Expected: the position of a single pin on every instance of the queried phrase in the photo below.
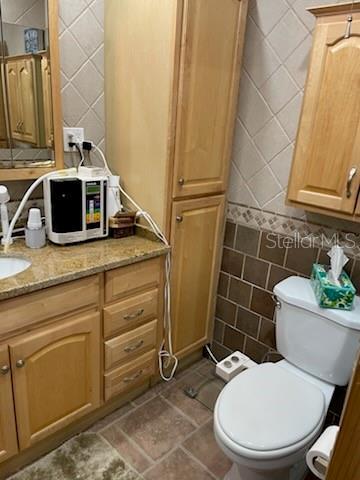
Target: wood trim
(345, 461)
(234, 93)
(324, 211)
(334, 9)
(8, 437)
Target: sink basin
(10, 266)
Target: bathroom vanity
(79, 334)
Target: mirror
(28, 120)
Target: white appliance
(76, 207)
(267, 417)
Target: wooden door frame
(345, 460)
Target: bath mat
(84, 457)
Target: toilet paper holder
(318, 457)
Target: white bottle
(35, 231)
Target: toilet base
(243, 473)
(297, 472)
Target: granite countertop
(55, 264)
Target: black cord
(72, 144)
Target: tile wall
(277, 48)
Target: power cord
(166, 356)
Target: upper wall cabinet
(208, 77)
(325, 174)
(30, 112)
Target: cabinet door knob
(20, 363)
(181, 181)
(5, 369)
(351, 177)
(179, 218)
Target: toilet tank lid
(298, 291)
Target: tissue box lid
(298, 291)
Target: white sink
(10, 266)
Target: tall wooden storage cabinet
(172, 76)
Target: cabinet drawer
(130, 344)
(127, 280)
(130, 312)
(52, 302)
(130, 375)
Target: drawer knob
(132, 348)
(132, 316)
(5, 369)
(179, 218)
(20, 363)
(134, 377)
(181, 181)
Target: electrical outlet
(75, 135)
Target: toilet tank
(322, 342)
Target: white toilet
(267, 417)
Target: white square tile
(98, 59)
(89, 83)
(252, 109)
(238, 191)
(279, 89)
(264, 186)
(74, 107)
(70, 10)
(99, 108)
(300, 8)
(271, 140)
(298, 62)
(72, 56)
(281, 165)
(267, 13)
(253, 38)
(88, 40)
(94, 128)
(287, 35)
(97, 7)
(289, 116)
(245, 156)
(278, 205)
(261, 63)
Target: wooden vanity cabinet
(326, 167)
(172, 91)
(56, 376)
(8, 436)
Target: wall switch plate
(233, 365)
(75, 135)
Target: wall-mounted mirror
(30, 112)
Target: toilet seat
(268, 412)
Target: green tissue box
(329, 295)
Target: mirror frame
(8, 174)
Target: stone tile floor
(164, 434)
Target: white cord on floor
(165, 356)
(212, 356)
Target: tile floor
(162, 435)
(166, 435)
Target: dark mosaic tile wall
(251, 266)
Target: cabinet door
(13, 99)
(197, 227)
(209, 76)
(27, 88)
(8, 438)
(47, 101)
(56, 375)
(358, 207)
(326, 167)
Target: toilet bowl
(267, 417)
